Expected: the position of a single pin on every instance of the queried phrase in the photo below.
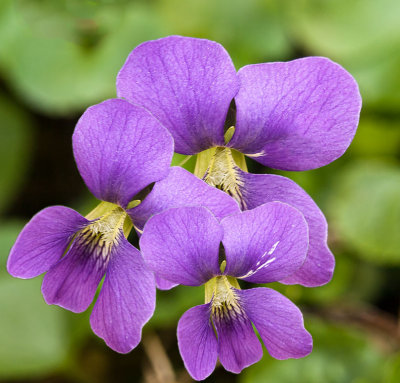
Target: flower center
(221, 291)
(110, 213)
(100, 236)
(222, 171)
(104, 232)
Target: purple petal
(72, 282)
(186, 83)
(120, 149)
(265, 244)
(43, 241)
(182, 245)
(181, 188)
(278, 321)
(164, 284)
(126, 301)
(197, 341)
(238, 345)
(296, 115)
(258, 189)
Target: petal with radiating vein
(120, 149)
(258, 189)
(126, 301)
(278, 321)
(164, 284)
(72, 282)
(197, 341)
(182, 245)
(265, 244)
(187, 83)
(181, 188)
(238, 345)
(296, 115)
(43, 241)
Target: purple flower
(266, 244)
(295, 115)
(119, 149)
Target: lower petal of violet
(126, 301)
(43, 241)
(278, 321)
(258, 189)
(72, 282)
(197, 341)
(238, 345)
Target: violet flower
(295, 115)
(266, 244)
(119, 150)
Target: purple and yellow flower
(119, 149)
(295, 115)
(189, 246)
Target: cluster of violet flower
(183, 94)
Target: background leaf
(15, 137)
(33, 335)
(363, 36)
(339, 355)
(365, 210)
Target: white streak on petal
(260, 265)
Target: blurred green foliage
(33, 336)
(59, 57)
(362, 35)
(339, 355)
(366, 210)
(15, 136)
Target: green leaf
(186, 162)
(251, 31)
(32, 334)
(8, 234)
(65, 71)
(348, 283)
(365, 210)
(376, 137)
(393, 370)
(63, 56)
(363, 36)
(15, 135)
(343, 27)
(173, 303)
(339, 355)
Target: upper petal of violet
(296, 115)
(43, 241)
(265, 244)
(187, 83)
(120, 149)
(182, 245)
